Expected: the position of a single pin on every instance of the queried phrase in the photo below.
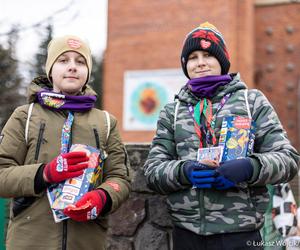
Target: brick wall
(149, 34)
(277, 61)
(277, 64)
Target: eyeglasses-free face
(69, 73)
(200, 63)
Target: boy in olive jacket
(35, 144)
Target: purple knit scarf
(52, 100)
(206, 86)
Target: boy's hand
(65, 166)
(88, 207)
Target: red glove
(65, 166)
(88, 207)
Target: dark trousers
(187, 240)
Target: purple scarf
(206, 86)
(52, 100)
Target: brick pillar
(145, 35)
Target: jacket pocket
(20, 204)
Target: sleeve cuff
(256, 169)
(181, 175)
(108, 203)
(39, 183)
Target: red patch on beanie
(205, 44)
(74, 44)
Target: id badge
(210, 153)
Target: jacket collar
(41, 82)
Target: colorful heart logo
(205, 44)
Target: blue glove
(238, 170)
(223, 183)
(199, 175)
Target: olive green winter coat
(33, 227)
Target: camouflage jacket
(211, 211)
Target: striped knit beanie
(206, 37)
(59, 45)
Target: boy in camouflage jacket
(216, 207)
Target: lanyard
(65, 141)
(207, 127)
(198, 127)
(66, 133)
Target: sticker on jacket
(114, 185)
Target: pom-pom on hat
(206, 37)
(59, 45)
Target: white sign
(146, 92)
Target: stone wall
(141, 223)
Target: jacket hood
(185, 95)
(42, 82)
